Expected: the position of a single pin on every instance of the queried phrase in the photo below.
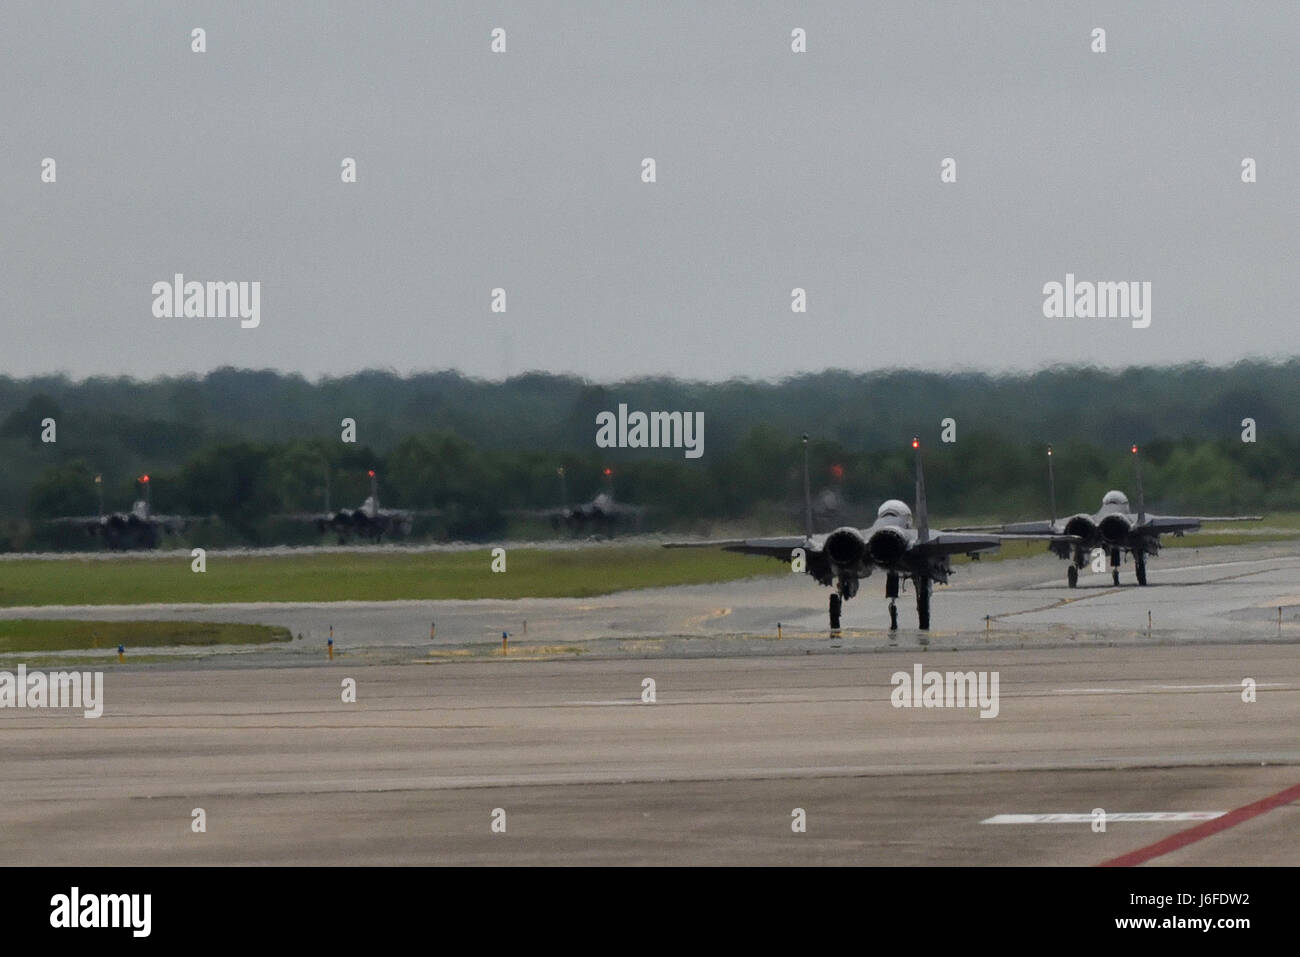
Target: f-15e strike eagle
(139, 528)
(368, 520)
(1115, 528)
(601, 514)
(899, 542)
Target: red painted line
(1202, 831)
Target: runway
(747, 733)
(710, 773)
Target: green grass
(391, 576)
(379, 576)
(30, 634)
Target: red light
(609, 472)
(837, 471)
(144, 478)
(916, 443)
(1134, 450)
(371, 473)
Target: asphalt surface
(744, 729)
(709, 773)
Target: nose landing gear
(891, 592)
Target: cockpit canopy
(1115, 498)
(896, 510)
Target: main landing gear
(1140, 566)
(923, 603)
(893, 584)
(891, 592)
(1115, 558)
(1072, 576)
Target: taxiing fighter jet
(1115, 528)
(899, 542)
(602, 513)
(139, 528)
(367, 521)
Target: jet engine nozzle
(845, 546)
(1082, 526)
(887, 547)
(1115, 529)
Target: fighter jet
(899, 542)
(602, 513)
(367, 521)
(1115, 528)
(139, 528)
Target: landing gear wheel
(1114, 577)
(1072, 576)
(923, 603)
(835, 611)
(1115, 559)
(1140, 566)
(893, 616)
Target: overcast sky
(523, 171)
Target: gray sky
(522, 171)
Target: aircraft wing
(1190, 523)
(1043, 528)
(172, 522)
(771, 547)
(955, 543)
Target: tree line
(244, 449)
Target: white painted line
(1110, 818)
(599, 704)
(1231, 686)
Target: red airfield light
(371, 473)
(1134, 449)
(608, 472)
(837, 471)
(916, 443)
(144, 479)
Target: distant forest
(242, 446)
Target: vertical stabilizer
(807, 494)
(1051, 484)
(1137, 467)
(922, 517)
